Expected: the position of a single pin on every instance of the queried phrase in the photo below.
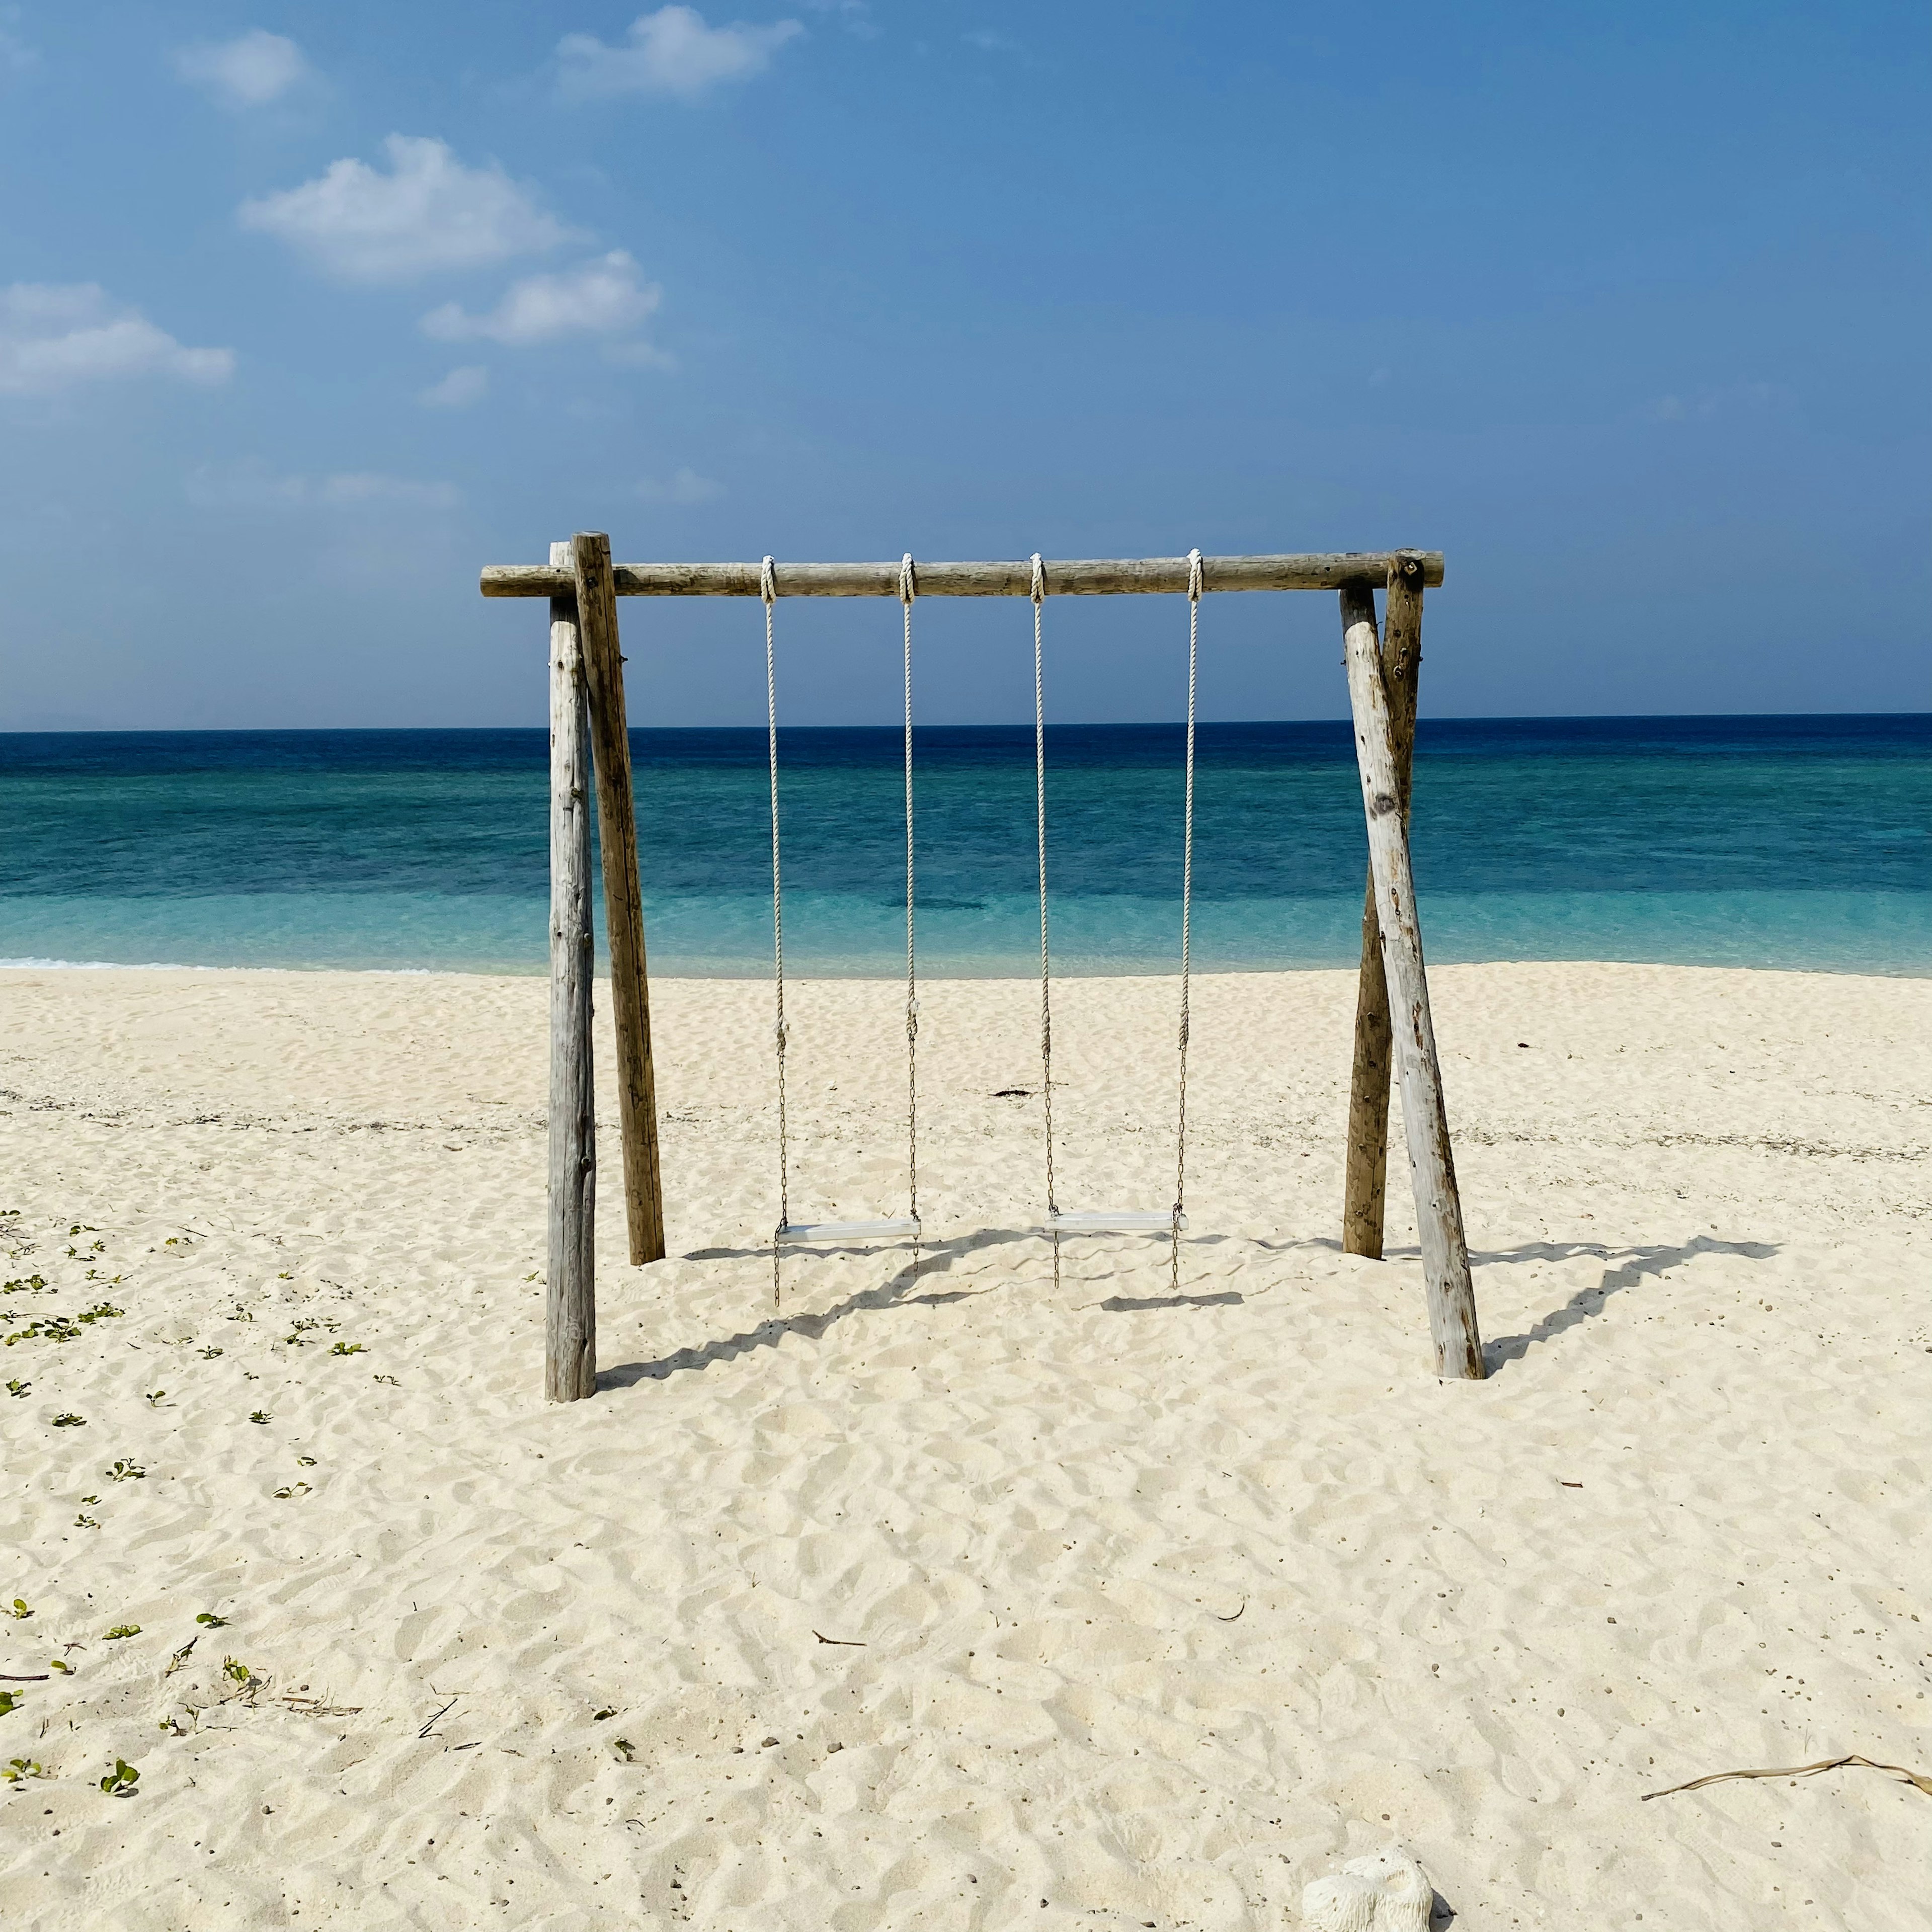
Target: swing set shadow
(1627, 1266)
(1394, 1037)
(935, 1259)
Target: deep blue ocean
(1798, 842)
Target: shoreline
(887, 977)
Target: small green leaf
(119, 1783)
(208, 1617)
(258, 1415)
(19, 1609)
(61, 1664)
(124, 1630)
(68, 1420)
(10, 1701)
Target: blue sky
(307, 311)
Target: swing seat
(804, 1234)
(1112, 1221)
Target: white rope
(1045, 971)
(768, 590)
(1187, 911)
(908, 590)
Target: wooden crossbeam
(1078, 578)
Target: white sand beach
(954, 1600)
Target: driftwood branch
(1914, 1777)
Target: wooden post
(1439, 1210)
(570, 1298)
(623, 905)
(1364, 1190)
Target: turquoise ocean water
(1795, 842)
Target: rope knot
(908, 581)
(1039, 590)
(1194, 576)
(768, 582)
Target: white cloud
(458, 389)
(366, 487)
(988, 42)
(16, 56)
(54, 336)
(250, 71)
(670, 52)
(854, 15)
(251, 484)
(605, 297)
(428, 212)
(684, 486)
(1708, 403)
(639, 356)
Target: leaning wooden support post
(1364, 1187)
(1439, 1210)
(623, 904)
(570, 1313)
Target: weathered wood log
(1439, 1209)
(570, 1295)
(623, 903)
(1364, 1187)
(1077, 578)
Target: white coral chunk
(1387, 1892)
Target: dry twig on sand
(1918, 1777)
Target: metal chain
(768, 590)
(1045, 973)
(908, 590)
(1186, 911)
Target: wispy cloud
(458, 389)
(16, 57)
(854, 15)
(681, 487)
(56, 336)
(988, 42)
(1705, 403)
(670, 52)
(606, 297)
(251, 484)
(251, 71)
(428, 212)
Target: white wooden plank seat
(805, 1233)
(1113, 1221)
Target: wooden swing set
(589, 742)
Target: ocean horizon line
(758, 728)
